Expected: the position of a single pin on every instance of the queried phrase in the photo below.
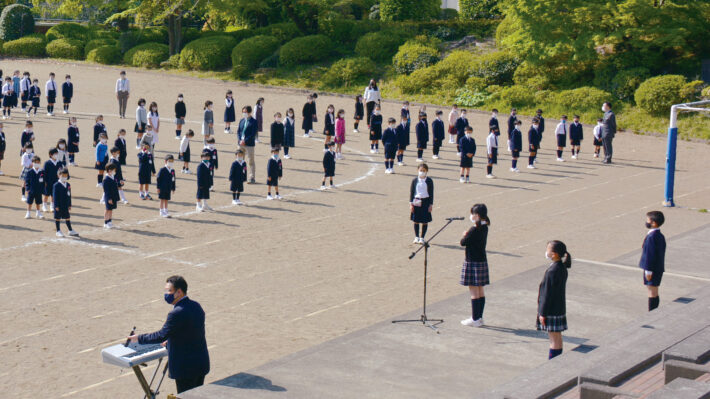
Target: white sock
(122, 194)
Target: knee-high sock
(515, 163)
(653, 303)
(474, 309)
(559, 153)
(420, 153)
(489, 169)
(416, 229)
(554, 353)
(424, 229)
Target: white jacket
(371, 95)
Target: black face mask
(648, 225)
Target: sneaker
(416, 240)
(451, 141)
(60, 234)
(212, 188)
(560, 159)
(574, 157)
(177, 137)
(278, 197)
(235, 202)
(458, 154)
(434, 157)
(28, 216)
(1, 173)
(124, 202)
(377, 150)
(165, 214)
(107, 226)
(531, 167)
(73, 233)
(323, 187)
(49, 114)
(198, 208)
(64, 112)
(143, 197)
(28, 115)
(207, 208)
(306, 135)
(468, 322)
(23, 199)
(188, 172)
(419, 160)
(461, 180)
(269, 197)
(239, 202)
(387, 171)
(596, 155)
(73, 164)
(287, 156)
(372, 150)
(39, 215)
(468, 180)
(102, 201)
(514, 170)
(252, 181)
(356, 131)
(489, 176)
(138, 147)
(44, 207)
(147, 196)
(422, 241)
(478, 323)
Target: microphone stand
(423, 318)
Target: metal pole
(670, 158)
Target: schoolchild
(534, 138)
(120, 180)
(492, 150)
(277, 131)
(184, 152)
(653, 253)
(120, 143)
(72, 140)
(561, 135)
(274, 172)
(576, 135)
(99, 128)
(207, 121)
(51, 174)
(328, 166)
(468, 150)
(359, 113)
(34, 184)
(474, 273)
(375, 130)
(214, 159)
(230, 115)
(180, 113)
(516, 145)
(339, 134)
(111, 196)
(50, 89)
(402, 131)
(598, 137)
(437, 128)
(259, 116)
(141, 122)
(34, 94)
(453, 117)
(67, 93)
(165, 184)
(146, 170)
(289, 132)
(422, 132)
(61, 203)
(329, 129)
(461, 125)
(237, 177)
(390, 142)
(204, 179)
(551, 302)
(101, 158)
(421, 202)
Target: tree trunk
(174, 32)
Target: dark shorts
(493, 156)
(35, 102)
(402, 147)
(390, 151)
(655, 279)
(139, 128)
(164, 195)
(34, 198)
(552, 323)
(598, 142)
(561, 140)
(2, 155)
(516, 154)
(185, 157)
(51, 96)
(466, 162)
(474, 274)
(533, 148)
(144, 178)
(61, 214)
(575, 142)
(67, 100)
(25, 96)
(101, 165)
(7, 101)
(236, 187)
(272, 183)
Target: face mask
(330, 111)
(603, 110)
(112, 174)
(63, 179)
(392, 126)
(28, 151)
(180, 99)
(211, 146)
(277, 119)
(547, 256)
(244, 114)
(468, 135)
(535, 126)
(422, 175)
(463, 115)
(68, 80)
(205, 161)
(103, 141)
(36, 166)
(290, 115)
(563, 121)
(648, 225)
(170, 165)
(495, 115)
(376, 112)
(169, 298)
(240, 159)
(61, 146)
(275, 156)
(209, 108)
(472, 219)
(54, 157)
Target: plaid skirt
(474, 274)
(552, 323)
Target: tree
(409, 10)
(471, 9)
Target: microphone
(459, 218)
(128, 340)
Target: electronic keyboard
(132, 355)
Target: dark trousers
(122, 102)
(370, 107)
(184, 384)
(608, 148)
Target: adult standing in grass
(372, 98)
(608, 131)
(123, 88)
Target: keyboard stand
(149, 393)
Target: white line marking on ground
(636, 268)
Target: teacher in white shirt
(123, 88)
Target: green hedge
(408, 10)
(412, 56)
(347, 71)
(283, 31)
(250, 52)
(208, 53)
(92, 44)
(71, 49)
(67, 30)
(625, 83)
(496, 68)
(657, 94)
(380, 46)
(132, 38)
(692, 91)
(305, 50)
(16, 20)
(107, 55)
(346, 30)
(28, 46)
(148, 55)
(706, 93)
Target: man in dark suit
(653, 255)
(184, 335)
(247, 137)
(608, 131)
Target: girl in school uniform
(389, 141)
(551, 306)
(229, 113)
(214, 159)
(146, 170)
(328, 166)
(402, 131)
(34, 183)
(52, 166)
(203, 182)
(27, 136)
(421, 202)
(492, 150)
(453, 117)
(372, 98)
(422, 131)
(120, 180)
(111, 195)
(274, 171)
(34, 94)
(166, 185)
(180, 112)
(259, 116)
(101, 158)
(516, 145)
(26, 163)
(289, 132)
(50, 88)
(72, 140)
(277, 131)
(62, 154)
(7, 98)
(120, 143)
(141, 122)
(474, 273)
(25, 84)
(154, 121)
(237, 177)
(561, 134)
(184, 152)
(207, 121)
(598, 136)
(439, 134)
(339, 134)
(359, 113)
(329, 129)
(375, 124)
(3, 146)
(61, 203)
(468, 150)
(67, 93)
(534, 138)
(99, 128)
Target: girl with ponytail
(474, 273)
(551, 308)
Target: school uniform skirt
(207, 130)
(493, 156)
(24, 172)
(474, 274)
(139, 128)
(164, 195)
(179, 121)
(552, 323)
(421, 213)
(67, 100)
(390, 151)
(185, 157)
(2, 155)
(7, 101)
(51, 96)
(375, 135)
(229, 115)
(307, 123)
(466, 162)
(203, 193)
(330, 172)
(421, 146)
(655, 280)
(72, 148)
(110, 207)
(597, 142)
(144, 178)
(61, 214)
(101, 165)
(236, 186)
(289, 139)
(561, 140)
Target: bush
(470, 98)
(625, 83)
(706, 93)
(173, 62)
(657, 94)
(107, 55)
(28, 46)
(71, 49)
(447, 14)
(496, 68)
(412, 56)
(250, 52)
(99, 33)
(421, 81)
(16, 20)
(475, 9)
(457, 65)
(67, 30)
(92, 44)
(692, 91)
(148, 55)
(347, 71)
(208, 53)
(409, 10)
(283, 31)
(582, 99)
(379, 46)
(513, 97)
(306, 49)
(132, 38)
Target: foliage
(625, 83)
(306, 49)
(283, 31)
(495, 68)
(250, 52)
(173, 62)
(657, 94)
(208, 53)
(706, 93)
(469, 98)
(412, 56)
(473, 9)
(446, 14)
(147, 55)
(28, 46)
(134, 37)
(345, 30)
(72, 49)
(92, 44)
(67, 30)
(692, 91)
(16, 21)
(456, 65)
(380, 46)
(409, 10)
(106, 54)
(347, 71)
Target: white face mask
(103, 141)
(112, 174)
(330, 110)
(180, 99)
(36, 166)
(61, 146)
(277, 119)
(392, 126)
(376, 112)
(290, 115)
(209, 108)
(472, 219)
(244, 114)
(535, 126)
(547, 256)
(240, 159)
(170, 165)
(54, 157)
(63, 179)
(603, 108)
(211, 146)
(468, 135)
(422, 174)
(28, 151)
(463, 114)
(68, 80)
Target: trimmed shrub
(250, 52)
(16, 20)
(306, 49)
(283, 31)
(190, 34)
(513, 97)
(28, 46)
(657, 94)
(132, 38)
(99, 43)
(424, 81)
(271, 61)
(71, 49)
(456, 65)
(412, 56)
(706, 93)
(207, 53)
(581, 99)
(625, 83)
(148, 55)
(67, 30)
(691, 91)
(496, 68)
(475, 9)
(379, 46)
(347, 71)
(97, 33)
(447, 14)
(409, 10)
(107, 55)
(171, 63)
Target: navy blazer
(184, 330)
(534, 137)
(274, 170)
(422, 132)
(277, 134)
(67, 90)
(3, 143)
(329, 129)
(238, 173)
(429, 188)
(402, 134)
(541, 127)
(34, 181)
(122, 152)
(111, 190)
(204, 177)
(438, 130)
(61, 197)
(653, 252)
(390, 137)
(467, 146)
(329, 163)
(98, 129)
(146, 166)
(494, 122)
(551, 299)
(516, 140)
(511, 124)
(166, 179)
(461, 125)
(576, 131)
(50, 175)
(249, 136)
(119, 172)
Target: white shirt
(453, 116)
(421, 190)
(561, 129)
(598, 131)
(7, 88)
(491, 142)
(371, 95)
(153, 120)
(123, 85)
(229, 102)
(27, 160)
(25, 84)
(62, 156)
(50, 85)
(652, 230)
(184, 143)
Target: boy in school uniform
(35, 94)
(541, 124)
(67, 93)
(116, 160)
(375, 130)
(494, 120)
(461, 125)
(422, 131)
(50, 88)
(3, 146)
(274, 172)
(34, 185)
(214, 160)
(277, 130)
(52, 167)
(111, 195)
(99, 128)
(72, 140)
(576, 135)
(146, 169)
(25, 84)
(166, 185)
(437, 127)
(467, 146)
(533, 142)
(453, 116)
(653, 253)
(237, 177)
(7, 98)
(27, 136)
(120, 143)
(180, 112)
(598, 136)
(561, 135)
(16, 79)
(184, 152)
(203, 182)
(492, 150)
(329, 165)
(26, 162)
(511, 126)
(390, 142)
(61, 203)
(402, 134)
(516, 144)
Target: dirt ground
(275, 277)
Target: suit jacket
(166, 179)
(274, 169)
(277, 134)
(50, 175)
(609, 124)
(494, 122)
(184, 330)
(511, 124)
(402, 133)
(422, 133)
(390, 137)
(123, 153)
(467, 146)
(111, 190)
(653, 252)
(146, 165)
(534, 137)
(238, 173)
(461, 124)
(329, 162)
(438, 130)
(516, 140)
(204, 176)
(67, 90)
(61, 196)
(541, 125)
(248, 135)
(576, 131)
(34, 181)
(551, 295)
